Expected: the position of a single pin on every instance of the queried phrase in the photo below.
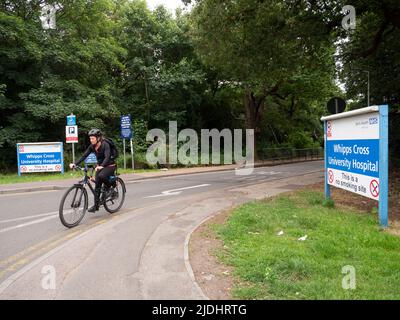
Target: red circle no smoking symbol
(374, 188)
(330, 176)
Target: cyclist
(105, 164)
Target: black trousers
(102, 177)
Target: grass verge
(38, 177)
(272, 266)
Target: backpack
(113, 147)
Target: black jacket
(103, 154)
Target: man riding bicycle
(105, 163)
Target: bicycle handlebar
(81, 169)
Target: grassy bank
(37, 177)
(272, 266)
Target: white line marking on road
(28, 223)
(268, 172)
(175, 192)
(29, 217)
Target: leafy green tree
(274, 51)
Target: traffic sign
(91, 159)
(71, 133)
(71, 120)
(336, 105)
(126, 130)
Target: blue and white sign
(356, 152)
(91, 159)
(71, 120)
(40, 157)
(126, 130)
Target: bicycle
(76, 207)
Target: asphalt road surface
(30, 226)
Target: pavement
(140, 252)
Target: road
(30, 230)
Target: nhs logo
(373, 120)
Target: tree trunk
(253, 108)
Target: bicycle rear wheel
(117, 198)
(73, 206)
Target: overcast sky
(170, 4)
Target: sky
(170, 4)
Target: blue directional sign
(71, 120)
(91, 159)
(126, 130)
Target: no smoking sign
(331, 177)
(374, 188)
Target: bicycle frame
(85, 181)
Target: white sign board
(353, 154)
(71, 133)
(40, 157)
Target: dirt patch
(213, 277)
(343, 198)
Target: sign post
(126, 133)
(133, 160)
(356, 154)
(71, 133)
(123, 144)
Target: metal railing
(290, 154)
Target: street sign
(126, 130)
(40, 157)
(336, 105)
(71, 120)
(91, 159)
(71, 133)
(356, 152)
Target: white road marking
(29, 217)
(175, 192)
(268, 172)
(28, 224)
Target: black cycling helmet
(95, 132)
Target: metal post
(133, 160)
(383, 165)
(327, 186)
(73, 152)
(124, 154)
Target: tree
(48, 74)
(271, 49)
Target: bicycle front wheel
(117, 197)
(73, 206)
